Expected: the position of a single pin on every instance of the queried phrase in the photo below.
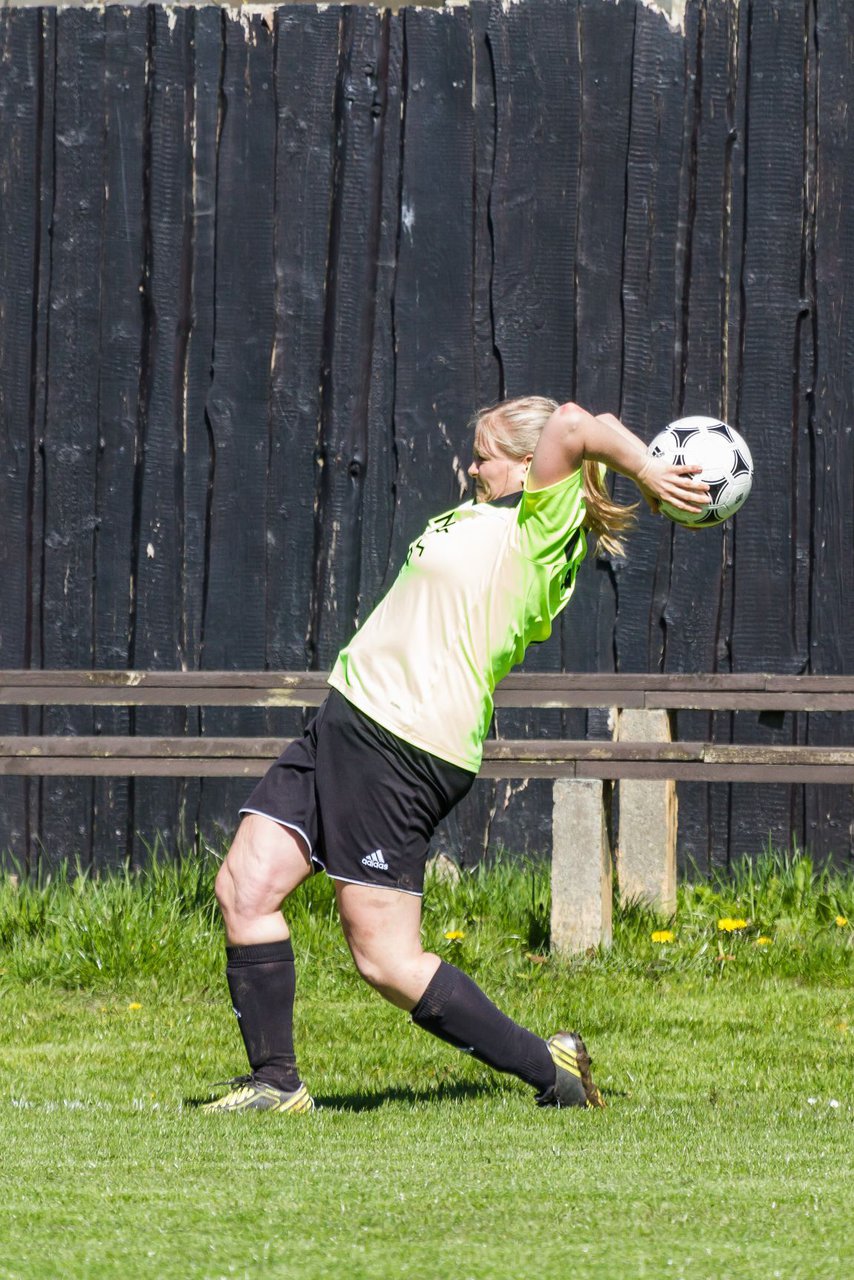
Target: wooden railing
(641, 756)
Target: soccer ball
(725, 458)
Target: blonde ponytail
(606, 519)
(513, 428)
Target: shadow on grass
(441, 1094)
(373, 1101)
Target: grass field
(725, 1151)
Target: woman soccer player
(398, 743)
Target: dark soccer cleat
(249, 1094)
(573, 1086)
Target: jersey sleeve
(549, 518)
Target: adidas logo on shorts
(375, 860)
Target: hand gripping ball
(725, 458)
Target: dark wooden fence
(256, 274)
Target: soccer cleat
(249, 1094)
(573, 1086)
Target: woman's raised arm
(572, 436)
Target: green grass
(721, 1154)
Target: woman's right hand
(660, 481)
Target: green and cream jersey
(480, 584)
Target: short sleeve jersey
(480, 584)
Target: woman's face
(496, 474)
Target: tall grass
(161, 924)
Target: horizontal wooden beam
(236, 757)
(653, 691)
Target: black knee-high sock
(262, 982)
(455, 1009)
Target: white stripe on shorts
(369, 884)
(292, 826)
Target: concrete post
(581, 866)
(646, 842)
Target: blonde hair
(513, 427)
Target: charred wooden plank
(829, 819)
(651, 305)
(350, 301)
(121, 341)
(238, 400)
(765, 607)
(155, 619)
(22, 85)
(71, 432)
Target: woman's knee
(264, 864)
(399, 978)
(373, 968)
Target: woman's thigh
(383, 932)
(265, 863)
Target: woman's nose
(473, 469)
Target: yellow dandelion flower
(763, 941)
(729, 925)
(134, 1005)
(841, 922)
(454, 935)
(662, 935)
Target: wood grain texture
(828, 817)
(235, 757)
(70, 448)
(121, 341)
(21, 103)
(157, 546)
(534, 212)
(198, 469)
(260, 270)
(765, 613)
(640, 635)
(237, 407)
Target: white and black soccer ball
(725, 458)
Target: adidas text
(376, 860)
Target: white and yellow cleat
(573, 1086)
(249, 1094)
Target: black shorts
(365, 802)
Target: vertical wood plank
(434, 368)
(199, 453)
(348, 330)
(650, 317)
(378, 568)
(534, 210)
(764, 579)
(697, 612)
(606, 35)
(120, 270)
(307, 53)
(34, 718)
(71, 409)
(21, 80)
(434, 384)
(487, 364)
(238, 405)
(157, 551)
(306, 66)
(830, 812)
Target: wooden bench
(641, 756)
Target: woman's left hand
(660, 481)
